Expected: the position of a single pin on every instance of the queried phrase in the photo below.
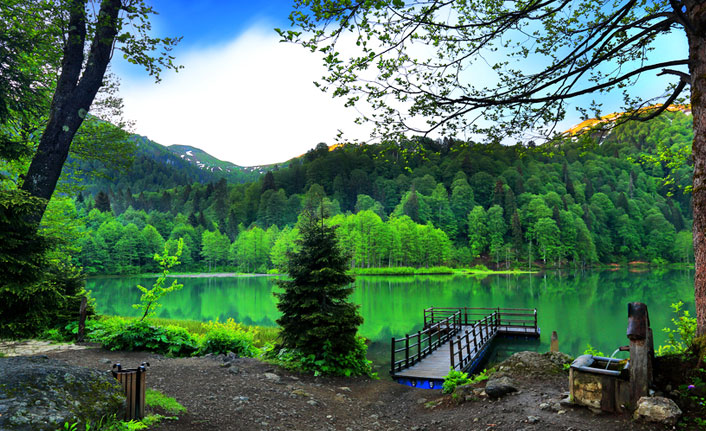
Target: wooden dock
(455, 338)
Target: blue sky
(245, 97)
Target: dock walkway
(455, 338)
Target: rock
(462, 391)
(301, 393)
(421, 400)
(532, 419)
(234, 370)
(544, 406)
(272, 377)
(533, 364)
(497, 387)
(344, 389)
(657, 409)
(312, 403)
(42, 394)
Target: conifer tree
(103, 201)
(314, 304)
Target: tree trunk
(696, 11)
(72, 98)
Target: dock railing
(466, 346)
(509, 319)
(410, 349)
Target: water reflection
(583, 307)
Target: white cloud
(250, 101)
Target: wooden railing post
(475, 340)
(460, 353)
(451, 355)
(419, 345)
(406, 350)
(392, 355)
(535, 320)
(468, 345)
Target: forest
(596, 198)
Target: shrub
(458, 378)
(681, 339)
(121, 334)
(227, 337)
(354, 363)
(590, 350)
(454, 379)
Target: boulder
(462, 391)
(499, 386)
(657, 409)
(37, 393)
(533, 364)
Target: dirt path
(252, 395)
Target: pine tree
(314, 304)
(102, 202)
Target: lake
(583, 307)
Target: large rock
(496, 387)
(533, 364)
(657, 409)
(37, 393)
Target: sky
(243, 96)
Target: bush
(120, 334)
(681, 339)
(227, 337)
(354, 363)
(458, 378)
(454, 379)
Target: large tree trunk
(73, 97)
(696, 11)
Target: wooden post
(392, 355)
(475, 341)
(451, 355)
(638, 323)
(82, 319)
(460, 353)
(406, 350)
(554, 346)
(419, 345)
(468, 345)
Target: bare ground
(253, 395)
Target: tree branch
(685, 77)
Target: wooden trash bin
(133, 381)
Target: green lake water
(583, 307)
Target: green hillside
(156, 167)
(573, 202)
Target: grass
(401, 270)
(154, 398)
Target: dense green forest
(602, 198)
